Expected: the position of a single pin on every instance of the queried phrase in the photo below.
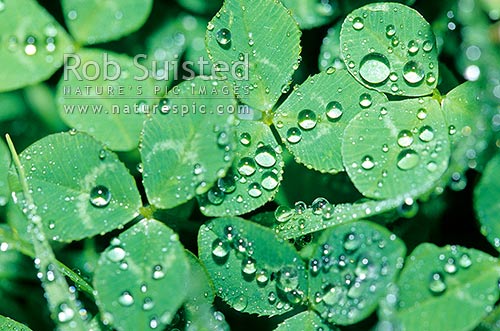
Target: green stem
(62, 303)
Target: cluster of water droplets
(451, 264)
(250, 177)
(351, 274)
(376, 69)
(283, 285)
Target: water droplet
(408, 159)
(241, 303)
(300, 207)
(450, 266)
(413, 47)
(427, 46)
(367, 162)
(287, 279)
(430, 78)
(405, 138)
(318, 205)
(229, 232)
(148, 304)
(198, 169)
(422, 114)
(126, 299)
(334, 110)
(254, 190)
(223, 37)
(465, 261)
(426, 133)
(269, 180)
(452, 130)
(262, 277)
(271, 297)
(307, 119)
(215, 196)
(293, 135)
(246, 166)
(2, 5)
(413, 72)
(390, 30)
(158, 272)
(437, 285)
(116, 254)
(431, 166)
(358, 23)
(102, 154)
(100, 196)
(374, 68)
(248, 266)
(65, 313)
(351, 242)
(220, 248)
(265, 156)
(223, 139)
(385, 148)
(365, 100)
(283, 214)
(210, 26)
(245, 139)
(30, 47)
(227, 184)
(332, 295)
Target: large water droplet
(262, 277)
(450, 267)
(254, 190)
(332, 295)
(65, 313)
(408, 159)
(248, 266)
(116, 254)
(215, 196)
(318, 205)
(374, 68)
(365, 100)
(283, 214)
(307, 119)
(405, 138)
(413, 47)
(334, 110)
(158, 272)
(269, 180)
(426, 133)
(287, 279)
(465, 261)
(220, 248)
(413, 72)
(246, 166)
(390, 30)
(367, 162)
(351, 242)
(293, 135)
(241, 303)
(358, 23)
(422, 114)
(100, 196)
(30, 47)
(126, 299)
(245, 139)
(437, 285)
(427, 46)
(265, 156)
(223, 37)
(227, 184)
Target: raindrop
(300, 207)
(116, 254)
(450, 266)
(465, 261)
(430, 78)
(227, 184)
(148, 304)
(229, 232)
(421, 114)
(426, 133)
(245, 139)
(306, 119)
(413, 72)
(365, 100)
(197, 169)
(413, 47)
(405, 138)
(158, 272)
(452, 130)
(318, 205)
(332, 295)
(220, 248)
(385, 148)
(437, 285)
(65, 313)
(283, 214)
(358, 24)
(246, 166)
(262, 277)
(215, 196)
(223, 37)
(367, 162)
(248, 266)
(374, 68)
(334, 110)
(351, 242)
(100, 196)
(431, 166)
(126, 299)
(408, 159)
(254, 190)
(293, 135)
(427, 46)
(390, 30)
(271, 297)
(222, 139)
(265, 156)
(30, 48)
(287, 279)
(269, 180)
(102, 154)
(241, 303)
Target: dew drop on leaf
(307, 119)
(65, 313)
(245, 139)
(422, 114)
(227, 184)
(365, 100)
(126, 299)
(215, 196)
(437, 285)
(116, 254)
(246, 166)
(390, 30)
(283, 214)
(334, 110)
(248, 266)
(352, 242)
(287, 279)
(265, 156)
(405, 138)
(220, 249)
(262, 277)
(100, 196)
(426, 133)
(427, 46)
(254, 190)
(408, 159)
(158, 272)
(318, 205)
(223, 37)
(293, 135)
(413, 47)
(465, 261)
(367, 162)
(269, 180)
(358, 23)
(413, 72)
(374, 68)
(450, 266)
